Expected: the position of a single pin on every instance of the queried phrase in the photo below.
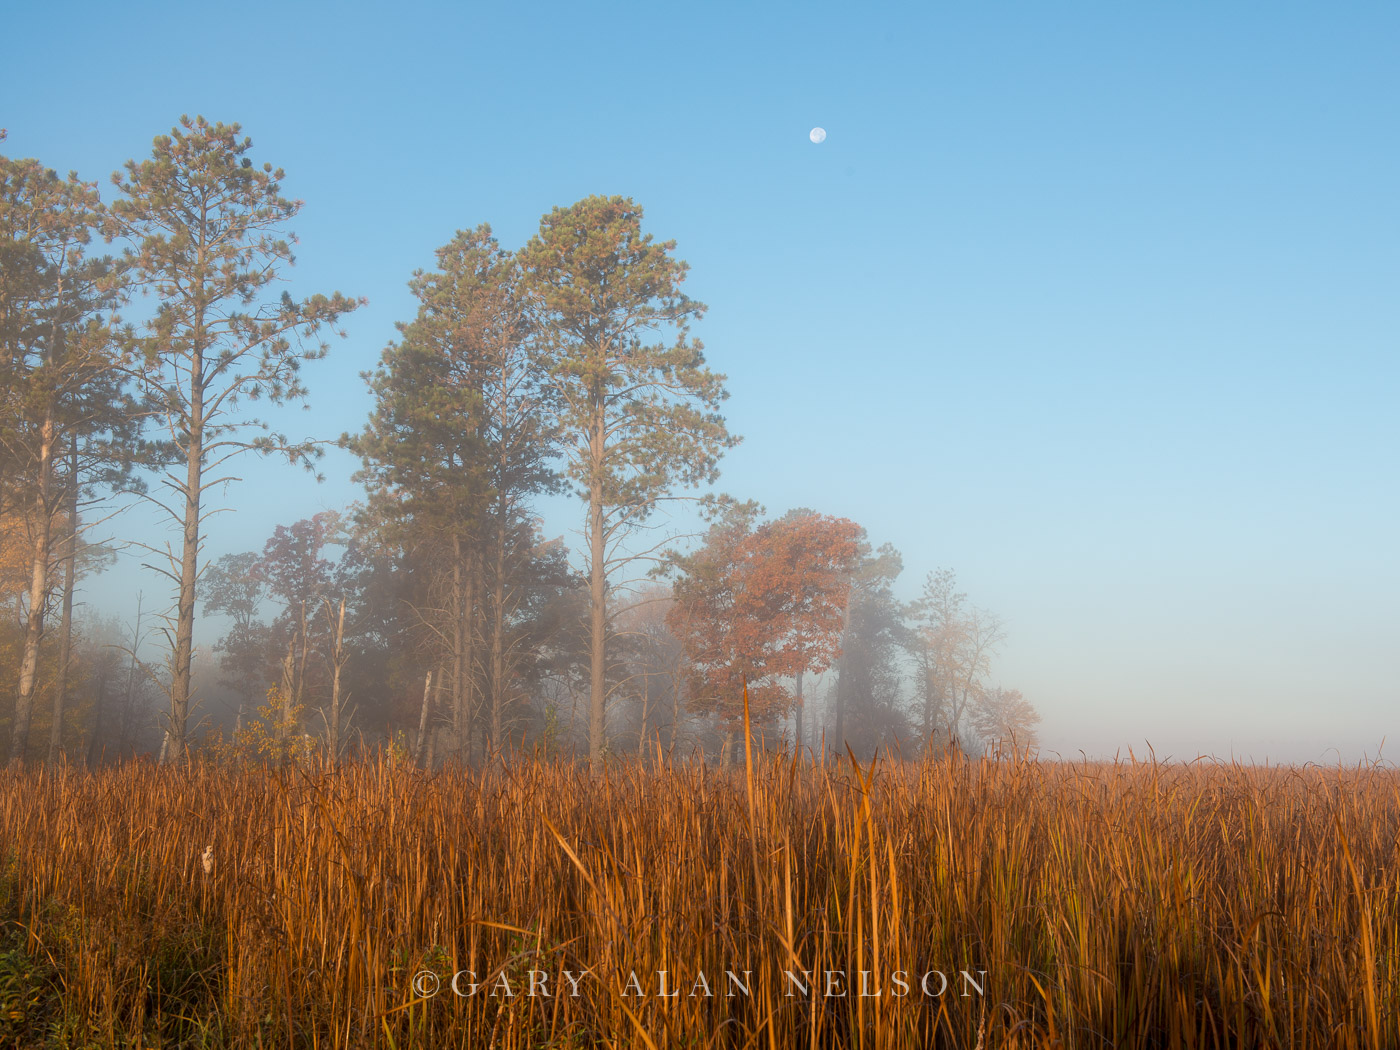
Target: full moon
(818, 135)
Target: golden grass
(1131, 905)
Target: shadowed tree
(867, 684)
(303, 581)
(457, 447)
(425, 460)
(638, 418)
(206, 228)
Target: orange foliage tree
(14, 556)
(762, 604)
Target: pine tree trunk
(646, 710)
(283, 733)
(434, 723)
(498, 656)
(182, 678)
(461, 723)
(498, 583)
(337, 663)
(470, 668)
(597, 701)
(65, 634)
(129, 695)
(420, 752)
(676, 687)
(929, 687)
(38, 592)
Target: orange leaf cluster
(761, 605)
(14, 555)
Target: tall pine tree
(206, 227)
(60, 381)
(459, 443)
(638, 419)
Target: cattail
(208, 859)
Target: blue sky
(1093, 304)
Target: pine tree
(206, 230)
(458, 445)
(638, 419)
(61, 389)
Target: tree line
(435, 615)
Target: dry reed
(1130, 905)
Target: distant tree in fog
(234, 586)
(868, 710)
(655, 666)
(1004, 719)
(952, 644)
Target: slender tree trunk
(94, 748)
(129, 696)
(799, 711)
(677, 684)
(337, 663)
(646, 710)
(841, 687)
(65, 634)
(842, 684)
(498, 582)
(461, 725)
(420, 752)
(182, 678)
(498, 616)
(40, 530)
(597, 708)
(298, 698)
(470, 657)
(434, 723)
(283, 734)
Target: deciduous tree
(953, 644)
(655, 663)
(762, 604)
(234, 586)
(1004, 719)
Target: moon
(818, 135)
